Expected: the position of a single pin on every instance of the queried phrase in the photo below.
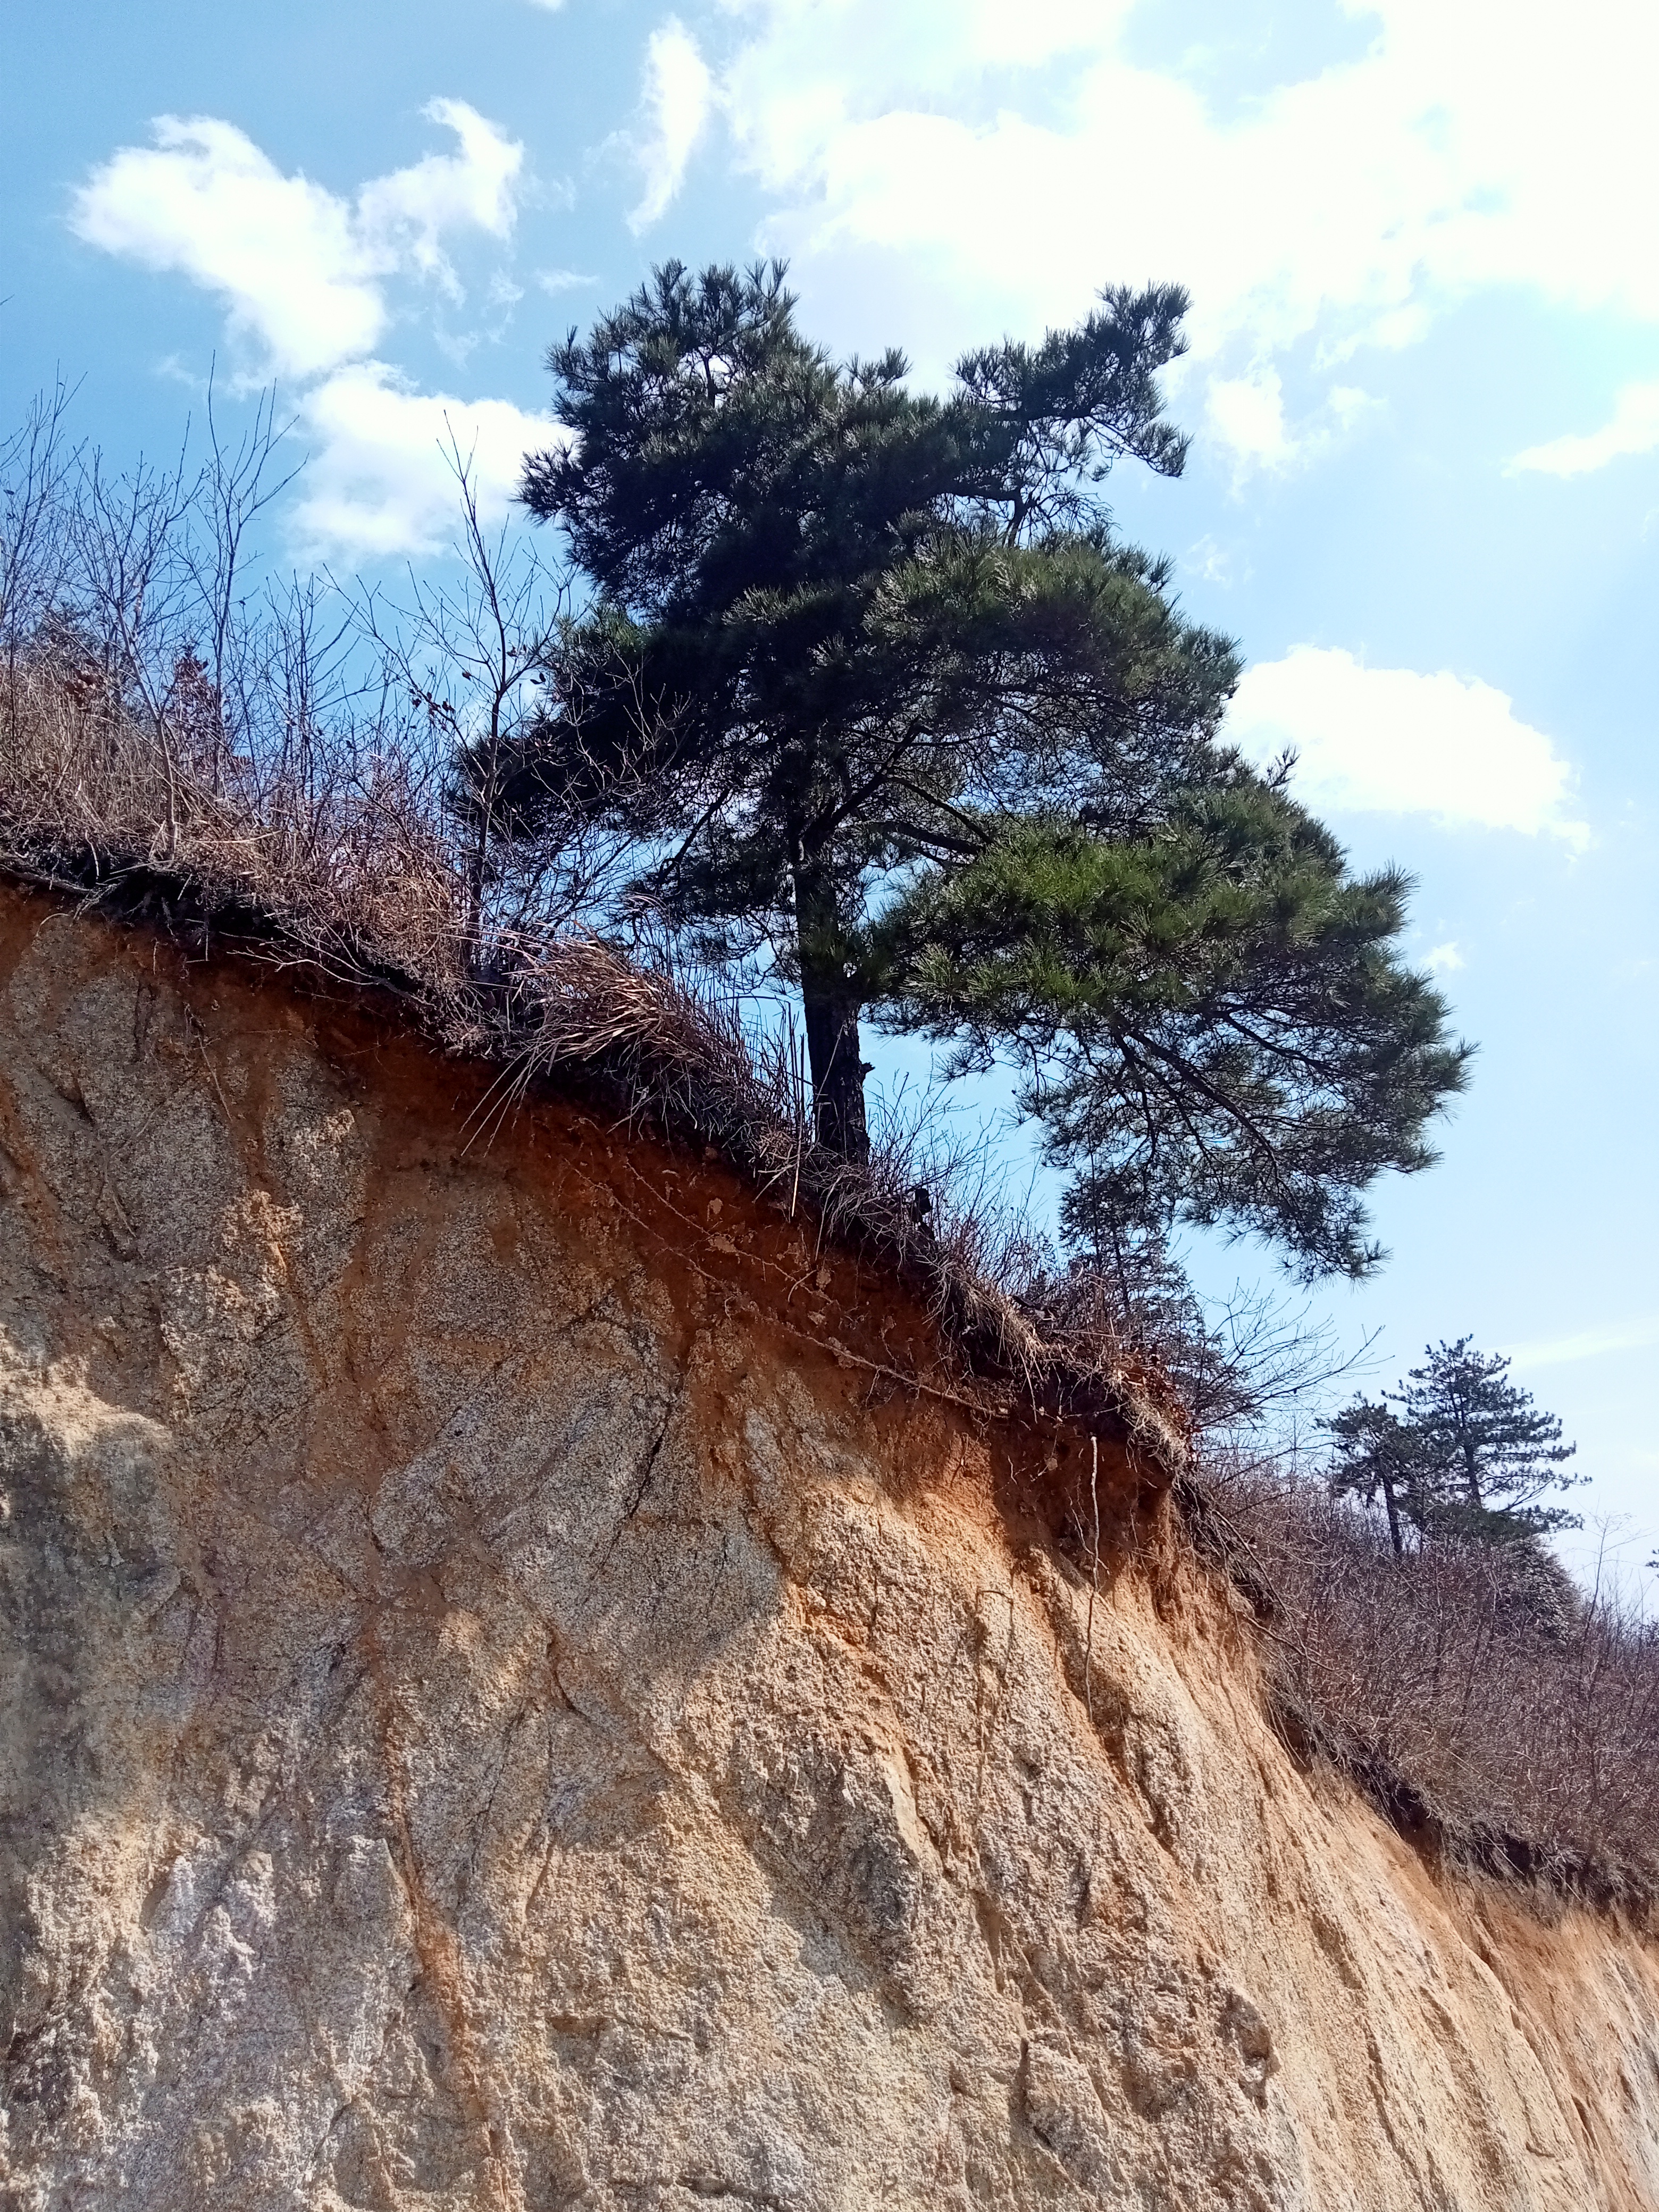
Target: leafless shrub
(1235, 1365)
(479, 659)
(1473, 1686)
(34, 465)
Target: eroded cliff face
(500, 1709)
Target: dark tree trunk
(831, 1002)
(1472, 1476)
(1392, 1505)
(832, 1046)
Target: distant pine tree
(1469, 1453)
(1375, 1457)
(1491, 1451)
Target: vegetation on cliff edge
(290, 765)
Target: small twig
(1094, 1579)
(798, 1087)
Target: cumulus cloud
(1634, 428)
(1391, 741)
(284, 254)
(301, 269)
(675, 106)
(1015, 158)
(379, 482)
(304, 273)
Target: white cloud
(285, 254)
(1245, 417)
(1348, 402)
(1634, 428)
(678, 97)
(403, 216)
(304, 273)
(1473, 143)
(301, 269)
(1216, 564)
(1589, 1344)
(1444, 960)
(1247, 414)
(1389, 740)
(377, 482)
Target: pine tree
(1491, 1452)
(1467, 1454)
(1217, 1024)
(1377, 1456)
(838, 623)
(879, 694)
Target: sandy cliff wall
(497, 1710)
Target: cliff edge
(521, 1687)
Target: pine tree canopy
(873, 684)
(1492, 1453)
(1467, 1454)
(1216, 1025)
(1375, 1455)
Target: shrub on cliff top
(1474, 1687)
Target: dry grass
(335, 840)
(1487, 1704)
(334, 851)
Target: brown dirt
(527, 1683)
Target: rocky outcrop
(523, 1687)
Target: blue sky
(1424, 492)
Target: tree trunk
(832, 1046)
(831, 1002)
(1472, 1476)
(1392, 1504)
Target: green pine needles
(1216, 1027)
(1468, 1455)
(873, 687)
